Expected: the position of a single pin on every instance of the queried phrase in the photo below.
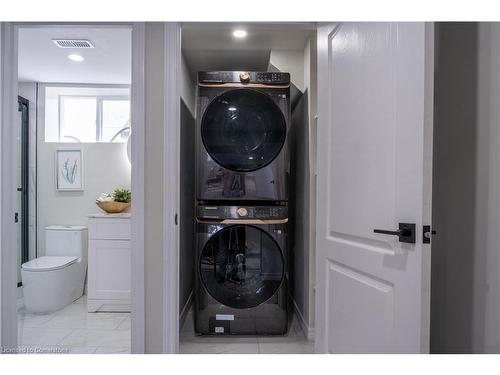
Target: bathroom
(74, 118)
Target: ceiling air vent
(73, 43)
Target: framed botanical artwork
(69, 170)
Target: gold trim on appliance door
(243, 85)
(244, 221)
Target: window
(87, 114)
(115, 120)
(77, 119)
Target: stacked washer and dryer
(242, 165)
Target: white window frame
(98, 115)
(41, 100)
(100, 111)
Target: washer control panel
(265, 78)
(241, 212)
(272, 77)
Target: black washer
(241, 266)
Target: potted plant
(118, 201)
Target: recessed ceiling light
(75, 57)
(239, 33)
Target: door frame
(8, 112)
(171, 191)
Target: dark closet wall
(299, 204)
(457, 283)
(186, 217)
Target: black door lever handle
(405, 233)
(392, 232)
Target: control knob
(242, 211)
(244, 77)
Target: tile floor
(294, 343)
(74, 330)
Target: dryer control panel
(241, 212)
(263, 78)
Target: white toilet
(55, 280)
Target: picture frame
(69, 170)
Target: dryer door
(243, 130)
(241, 266)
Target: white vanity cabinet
(109, 256)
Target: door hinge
(176, 219)
(16, 217)
(427, 234)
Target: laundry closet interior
(247, 217)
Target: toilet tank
(62, 240)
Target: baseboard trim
(186, 308)
(308, 331)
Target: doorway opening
(74, 279)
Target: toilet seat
(48, 263)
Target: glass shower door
(22, 165)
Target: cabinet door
(109, 269)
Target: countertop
(123, 215)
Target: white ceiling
(217, 35)
(40, 60)
(211, 46)
(206, 46)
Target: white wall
(188, 87)
(106, 167)
(290, 61)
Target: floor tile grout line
(59, 342)
(120, 323)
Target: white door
(374, 172)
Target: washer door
(243, 130)
(241, 266)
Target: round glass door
(241, 266)
(243, 130)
